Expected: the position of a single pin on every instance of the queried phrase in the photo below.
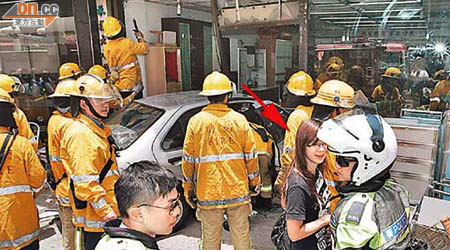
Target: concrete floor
(187, 238)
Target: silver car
(153, 129)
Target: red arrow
(270, 112)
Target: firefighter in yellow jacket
(57, 127)
(334, 69)
(334, 97)
(8, 84)
(88, 156)
(264, 151)
(22, 177)
(439, 97)
(219, 150)
(386, 95)
(301, 85)
(121, 54)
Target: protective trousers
(86, 240)
(266, 177)
(212, 224)
(68, 229)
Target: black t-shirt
(302, 206)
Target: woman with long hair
(302, 192)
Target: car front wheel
(185, 211)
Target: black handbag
(279, 234)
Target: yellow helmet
(98, 70)
(7, 83)
(335, 60)
(301, 84)
(393, 72)
(91, 86)
(65, 88)
(68, 70)
(5, 97)
(216, 83)
(111, 26)
(335, 93)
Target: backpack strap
(5, 149)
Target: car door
(170, 146)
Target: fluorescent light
(365, 11)
(361, 4)
(389, 21)
(363, 17)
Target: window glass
(34, 54)
(174, 140)
(131, 122)
(358, 42)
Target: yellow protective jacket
(57, 127)
(301, 114)
(438, 95)
(85, 150)
(21, 177)
(24, 127)
(121, 52)
(323, 77)
(379, 95)
(263, 150)
(219, 150)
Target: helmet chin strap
(93, 111)
(372, 185)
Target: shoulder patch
(355, 212)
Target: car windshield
(130, 123)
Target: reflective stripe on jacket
(263, 150)
(120, 52)
(57, 126)
(219, 150)
(375, 220)
(85, 150)
(20, 177)
(24, 128)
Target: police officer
(57, 127)
(88, 156)
(121, 54)
(386, 95)
(374, 210)
(9, 85)
(219, 149)
(22, 178)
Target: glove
(139, 35)
(190, 198)
(138, 87)
(254, 190)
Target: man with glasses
(148, 202)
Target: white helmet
(365, 137)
